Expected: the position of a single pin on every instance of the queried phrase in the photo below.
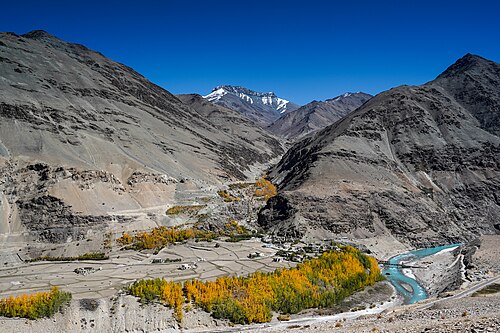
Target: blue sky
(302, 50)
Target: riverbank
(422, 261)
(471, 314)
(484, 260)
(371, 300)
(454, 268)
(441, 272)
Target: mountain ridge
(414, 164)
(85, 140)
(316, 115)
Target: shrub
(125, 239)
(176, 210)
(107, 243)
(85, 256)
(227, 197)
(284, 317)
(236, 186)
(239, 238)
(234, 228)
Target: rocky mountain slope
(415, 164)
(87, 143)
(316, 115)
(262, 108)
(236, 126)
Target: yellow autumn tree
(265, 189)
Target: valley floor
(206, 260)
(105, 308)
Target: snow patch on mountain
(347, 94)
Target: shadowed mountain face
(83, 138)
(261, 108)
(316, 115)
(419, 165)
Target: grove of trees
(317, 283)
(162, 236)
(39, 305)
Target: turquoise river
(395, 274)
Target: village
(178, 262)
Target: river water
(398, 279)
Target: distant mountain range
(260, 107)
(282, 117)
(418, 165)
(316, 115)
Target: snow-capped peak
(267, 101)
(216, 94)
